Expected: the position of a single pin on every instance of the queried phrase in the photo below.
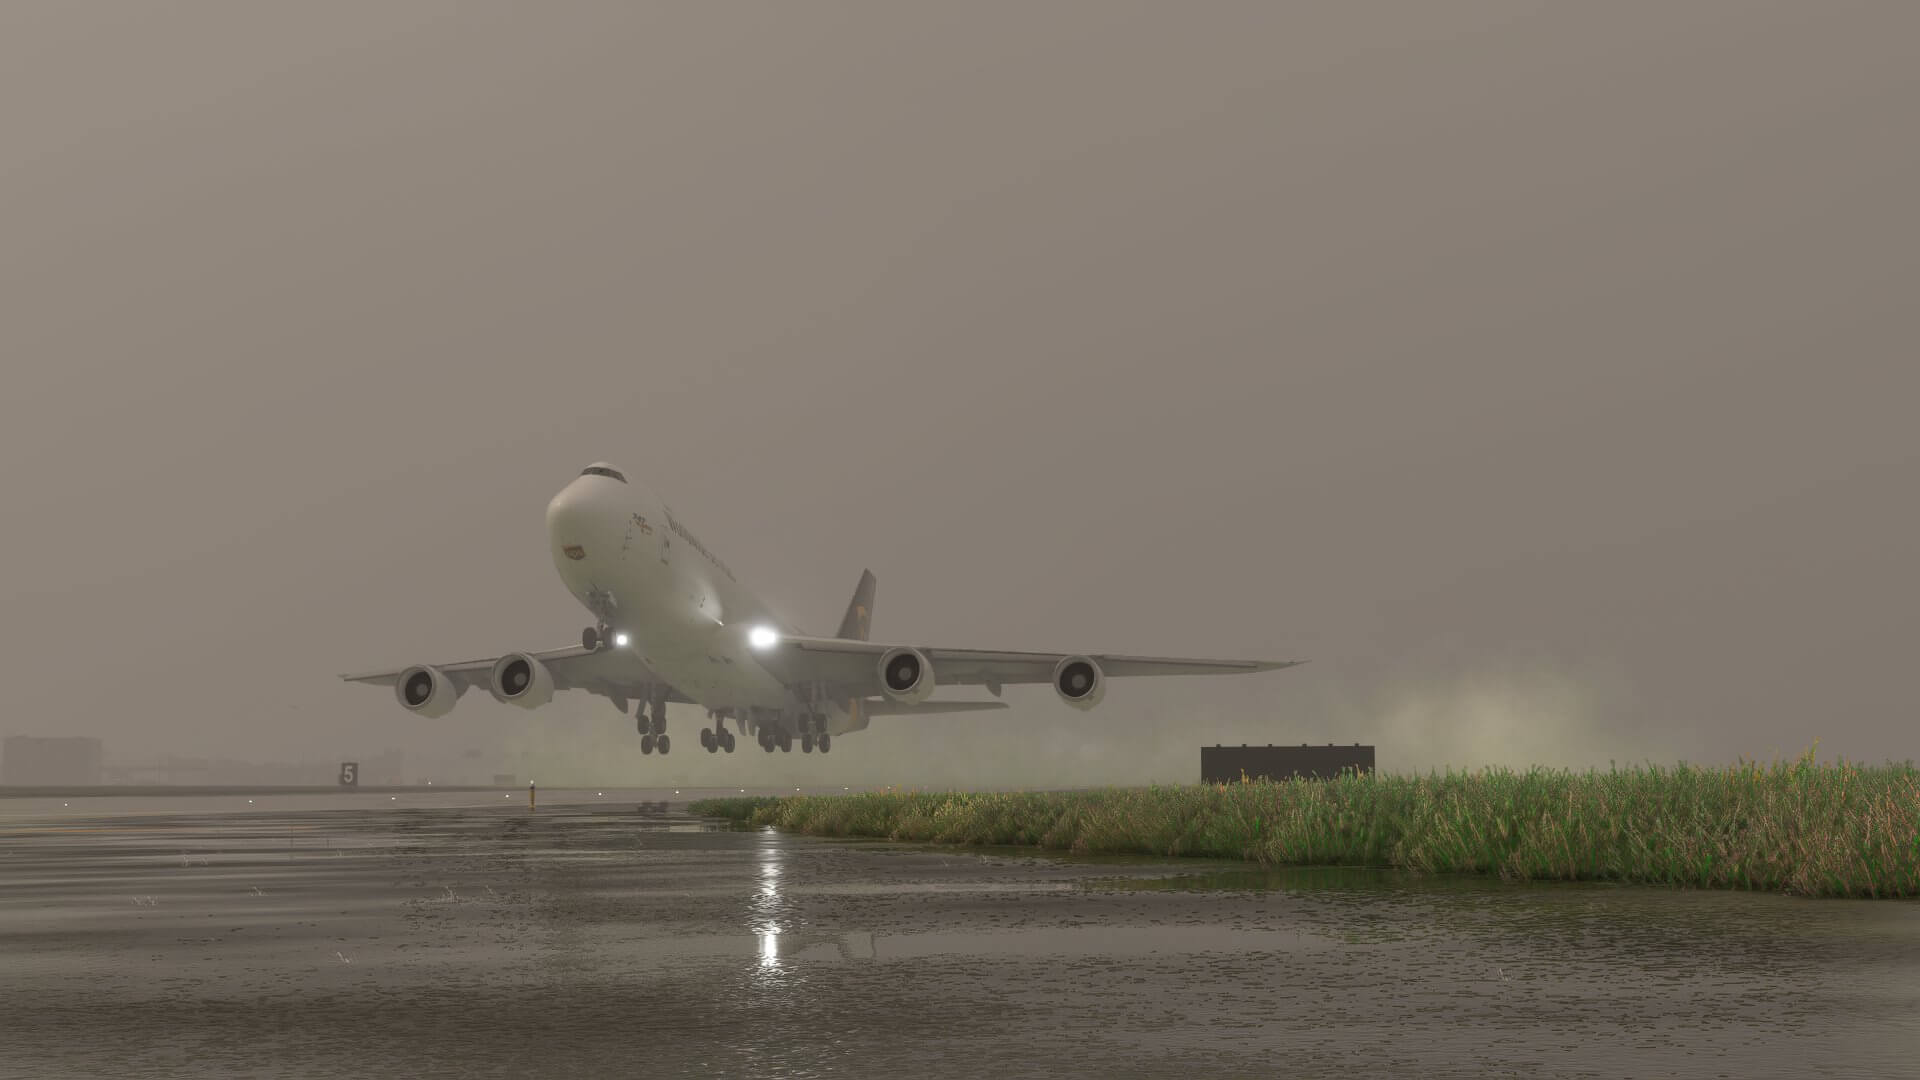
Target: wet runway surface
(614, 935)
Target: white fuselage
(643, 573)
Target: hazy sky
(1547, 374)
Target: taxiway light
(762, 637)
(620, 641)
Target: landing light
(762, 637)
(620, 641)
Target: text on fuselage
(674, 524)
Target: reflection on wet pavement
(598, 939)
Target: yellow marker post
(529, 796)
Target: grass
(1798, 827)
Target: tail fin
(858, 621)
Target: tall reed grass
(1793, 826)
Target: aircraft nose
(571, 517)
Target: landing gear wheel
(640, 725)
(659, 721)
(785, 741)
(825, 741)
(766, 740)
(646, 743)
(665, 743)
(806, 741)
(726, 741)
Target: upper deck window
(603, 470)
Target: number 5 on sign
(349, 774)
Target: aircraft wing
(617, 674)
(883, 707)
(855, 664)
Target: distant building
(36, 761)
(1227, 764)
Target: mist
(1544, 375)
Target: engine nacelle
(1079, 682)
(426, 691)
(906, 675)
(519, 679)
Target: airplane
(673, 625)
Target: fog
(1545, 374)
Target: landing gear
(813, 732)
(785, 741)
(653, 729)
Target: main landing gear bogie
(812, 734)
(653, 729)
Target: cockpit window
(603, 470)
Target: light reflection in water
(766, 903)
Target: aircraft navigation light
(762, 637)
(620, 641)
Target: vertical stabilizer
(858, 621)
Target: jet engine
(426, 691)
(519, 679)
(906, 674)
(1079, 682)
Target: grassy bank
(1799, 827)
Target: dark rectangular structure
(28, 759)
(1227, 764)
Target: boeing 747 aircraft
(673, 625)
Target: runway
(610, 934)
